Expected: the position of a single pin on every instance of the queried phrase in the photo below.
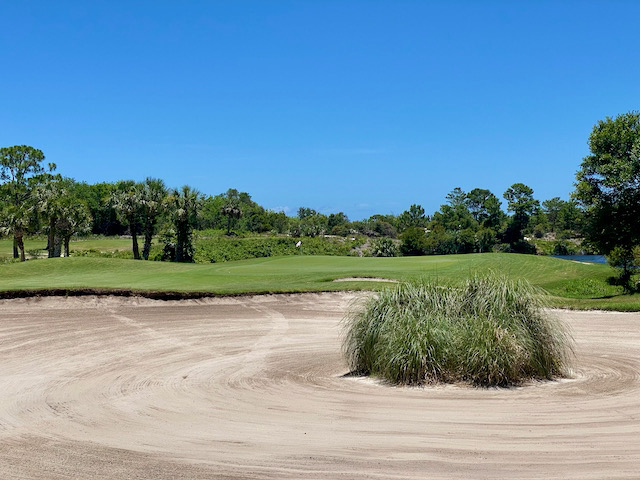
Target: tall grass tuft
(487, 331)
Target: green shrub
(224, 249)
(94, 252)
(489, 331)
(561, 248)
(414, 241)
(384, 247)
(627, 261)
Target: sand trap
(253, 387)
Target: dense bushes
(490, 331)
(222, 249)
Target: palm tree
(152, 194)
(184, 205)
(74, 217)
(47, 197)
(20, 170)
(16, 220)
(231, 209)
(126, 201)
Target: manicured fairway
(572, 284)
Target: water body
(584, 258)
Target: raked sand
(254, 387)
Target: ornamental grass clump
(487, 331)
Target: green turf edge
(159, 294)
(314, 279)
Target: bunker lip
(155, 294)
(366, 279)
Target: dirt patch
(254, 387)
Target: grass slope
(572, 284)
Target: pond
(584, 258)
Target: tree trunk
(51, 237)
(134, 237)
(57, 246)
(15, 247)
(148, 238)
(179, 244)
(20, 244)
(67, 238)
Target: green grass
(96, 243)
(572, 284)
(488, 331)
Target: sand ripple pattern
(254, 388)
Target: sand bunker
(253, 387)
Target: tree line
(604, 210)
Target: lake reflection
(584, 258)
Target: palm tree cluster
(140, 206)
(31, 192)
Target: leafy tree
(521, 202)
(571, 217)
(551, 208)
(486, 239)
(313, 225)
(440, 241)
(454, 218)
(562, 215)
(105, 219)
(414, 217)
(484, 206)
(20, 171)
(379, 226)
(627, 260)
(466, 241)
(304, 212)
(456, 197)
(609, 186)
(375, 226)
(127, 202)
(294, 227)
(336, 219)
(152, 195)
(210, 213)
(278, 221)
(413, 241)
(74, 217)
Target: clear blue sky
(356, 106)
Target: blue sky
(356, 106)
